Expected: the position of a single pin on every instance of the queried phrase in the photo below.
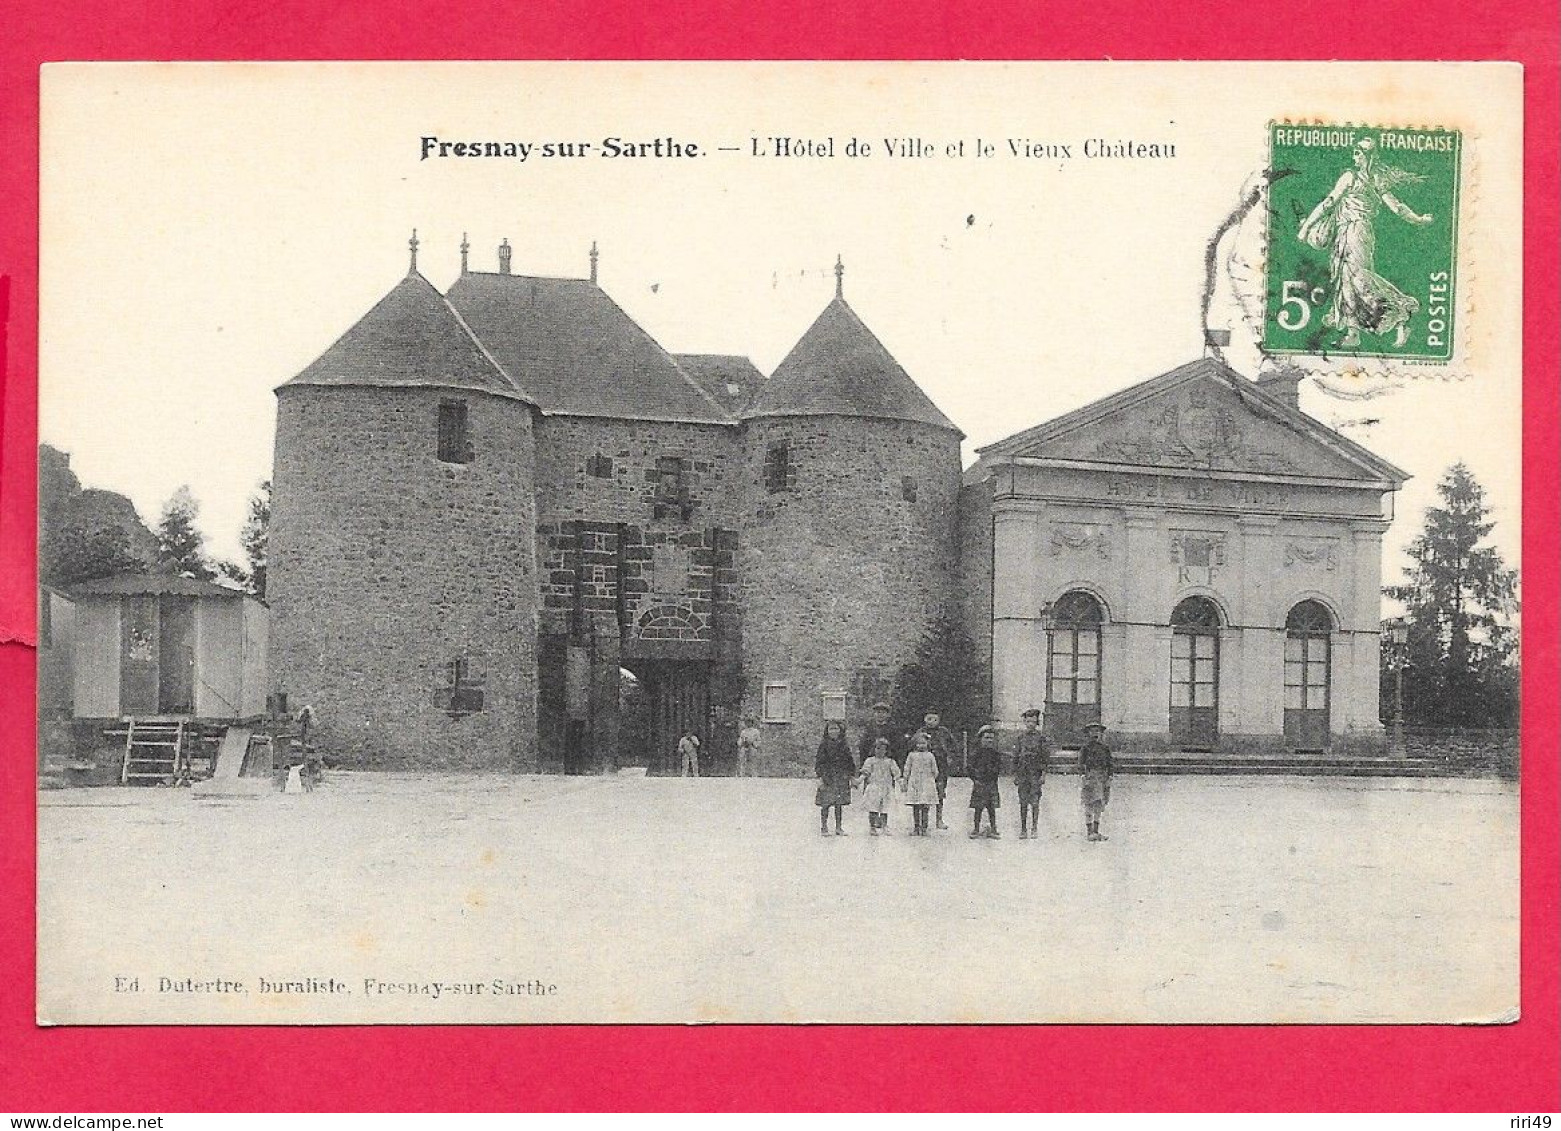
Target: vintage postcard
(792, 543)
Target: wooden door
(1072, 683)
(1307, 677)
(138, 641)
(680, 703)
(176, 656)
(1195, 655)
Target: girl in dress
(835, 768)
(921, 783)
(879, 777)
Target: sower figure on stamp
(1344, 225)
(1095, 792)
(748, 742)
(941, 740)
(985, 764)
(1032, 754)
(835, 768)
(878, 728)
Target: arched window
(1308, 631)
(1073, 667)
(1195, 665)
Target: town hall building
(1193, 562)
(511, 531)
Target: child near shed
(921, 784)
(1032, 754)
(835, 768)
(879, 777)
(1095, 762)
(985, 765)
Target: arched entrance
(1307, 676)
(1073, 668)
(1195, 679)
(660, 701)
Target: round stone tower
(402, 576)
(849, 552)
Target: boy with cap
(878, 728)
(1032, 754)
(985, 765)
(1095, 762)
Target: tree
(181, 545)
(1459, 599)
(80, 552)
(254, 535)
(948, 676)
(85, 534)
(251, 577)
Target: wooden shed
(146, 644)
(56, 633)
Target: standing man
(1095, 761)
(1032, 754)
(688, 752)
(748, 741)
(944, 749)
(878, 728)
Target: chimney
(504, 254)
(1283, 382)
(465, 249)
(593, 261)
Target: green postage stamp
(1362, 241)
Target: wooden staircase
(154, 752)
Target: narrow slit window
(778, 474)
(454, 442)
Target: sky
(209, 230)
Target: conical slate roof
(840, 369)
(577, 350)
(412, 337)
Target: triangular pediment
(1200, 417)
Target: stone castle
(490, 504)
(510, 531)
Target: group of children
(922, 779)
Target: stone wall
(844, 566)
(605, 500)
(387, 566)
(637, 545)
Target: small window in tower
(454, 443)
(599, 466)
(779, 475)
(834, 706)
(460, 693)
(908, 488)
(672, 493)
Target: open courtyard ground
(431, 898)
